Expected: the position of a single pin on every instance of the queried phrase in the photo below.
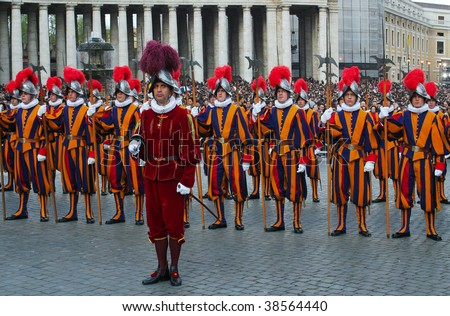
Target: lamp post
(408, 64)
(440, 72)
(421, 64)
(428, 63)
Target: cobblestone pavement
(80, 259)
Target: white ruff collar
(96, 104)
(352, 108)
(14, 107)
(306, 107)
(179, 101)
(124, 103)
(161, 109)
(222, 104)
(30, 105)
(435, 109)
(78, 102)
(422, 109)
(56, 103)
(284, 105)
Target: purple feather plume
(152, 60)
(172, 59)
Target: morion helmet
(96, 88)
(280, 77)
(13, 90)
(121, 75)
(384, 87)
(75, 79)
(301, 88)
(414, 81)
(262, 88)
(432, 90)
(26, 81)
(351, 78)
(54, 85)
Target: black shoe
(175, 278)
(217, 225)
(401, 235)
(65, 219)
(378, 200)
(338, 233)
(268, 198)
(90, 221)
(316, 200)
(274, 229)
(205, 196)
(44, 219)
(104, 193)
(14, 217)
(139, 222)
(445, 201)
(156, 276)
(365, 234)
(434, 237)
(187, 225)
(8, 188)
(298, 230)
(239, 227)
(114, 221)
(253, 197)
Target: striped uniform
(124, 172)
(422, 141)
(229, 132)
(292, 135)
(353, 134)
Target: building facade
(212, 33)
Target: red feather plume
(11, 86)
(341, 85)
(212, 83)
(261, 84)
(351, 74)
(176, 75)
(53, 81)
(72, 74)
(431, 89)
(157, 57)
(135, 84)
(95, 85)
(122, 73)
(381, 85)
(299, 85)
(223, 72)
(26, 74)
(413, 78)
(277, 74)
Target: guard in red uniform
(170, 151)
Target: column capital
(246, 7)
(148, 7)
(173, 6)
(222, 7)
(122, 7)
(96, 7)
(323, 8)
(15, 6)
(271, 8)
(43, 6)
(70, 7)
(197, 6)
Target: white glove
(91, 161)
(447, 156)
(245, 166)
(141, 163)
(183, 190)
(41, 158)
(301, 168)
(270, 150)
(195, 111)
(1, 107)
(338, 108)
(437, 173)
(144, 107)
(106, 147)
(326, 115)
(42, 110)
(92, 109)
(257, 107)
(369, 166)
(384, 112)
(317, 151)
(133, 147)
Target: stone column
(123, 36)
(173, 29)
(322, 43)
(32, 42)
(140, 43)
(286, 37)
(148, 23)
(16, 42)
(44, 42)
(5, 75)
(271, 27)
(96, 21)
(247, 74)
(197, 43)
(114, 34)
(60, 43)
(222, 37)
(71, 40)
(87, 26)
(333, 11)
